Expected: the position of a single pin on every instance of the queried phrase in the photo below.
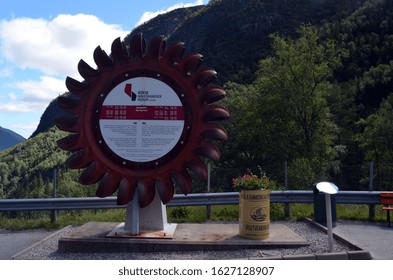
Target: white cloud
(12, 96)
(52, 48)
(55, 47)
(12, 107)
(29, 126)
(34, 95)
(24, 129)
(43, 90)
(149, 15)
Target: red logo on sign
(129, 92)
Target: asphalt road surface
(377, 238)
(12, 242)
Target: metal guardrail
(44, 204)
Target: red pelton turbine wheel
(121, 114)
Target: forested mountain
(368, 36)
(8, 138)
(232, 35)
(308, 82)
(26, 170)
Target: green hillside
(26, 170)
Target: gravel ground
(47, 249)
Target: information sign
(141, 119)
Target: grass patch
(64, 218)
(23, 223)
(359, 212)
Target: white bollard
(328, 189)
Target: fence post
(287, 206)
(371, 207)
(53, 214)
(208, 207)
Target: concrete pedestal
(148, 222)
(93, 237)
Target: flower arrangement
(252, 182)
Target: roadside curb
(335, 235)
(357, 254)
(349, 255)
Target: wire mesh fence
(63, 183)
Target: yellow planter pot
(254, 219)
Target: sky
(41, 42)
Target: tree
(376, 139)
(377, 136)
(284, 113)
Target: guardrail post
(371, 207)
(287, 206)
(53, 213)
(208, 207)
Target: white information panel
(141, 119)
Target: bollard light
(328, 189)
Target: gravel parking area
(47, 249)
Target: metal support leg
(329, 221)
(132, 215)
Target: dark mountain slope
(8, 138)
(232, 35)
